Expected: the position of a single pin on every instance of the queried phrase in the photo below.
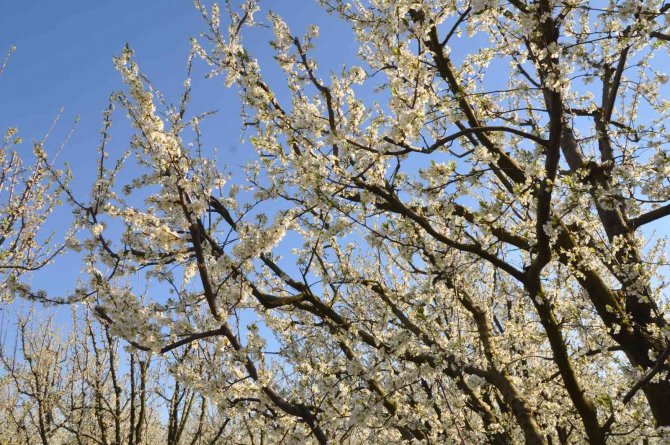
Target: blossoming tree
(445, 243)
(83, 388)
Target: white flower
(97, 229)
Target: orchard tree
(82, 387)
(444, 243)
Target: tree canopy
(445, 243)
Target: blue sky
(63, 59)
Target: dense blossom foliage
(445, 243)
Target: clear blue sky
(63, 59)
